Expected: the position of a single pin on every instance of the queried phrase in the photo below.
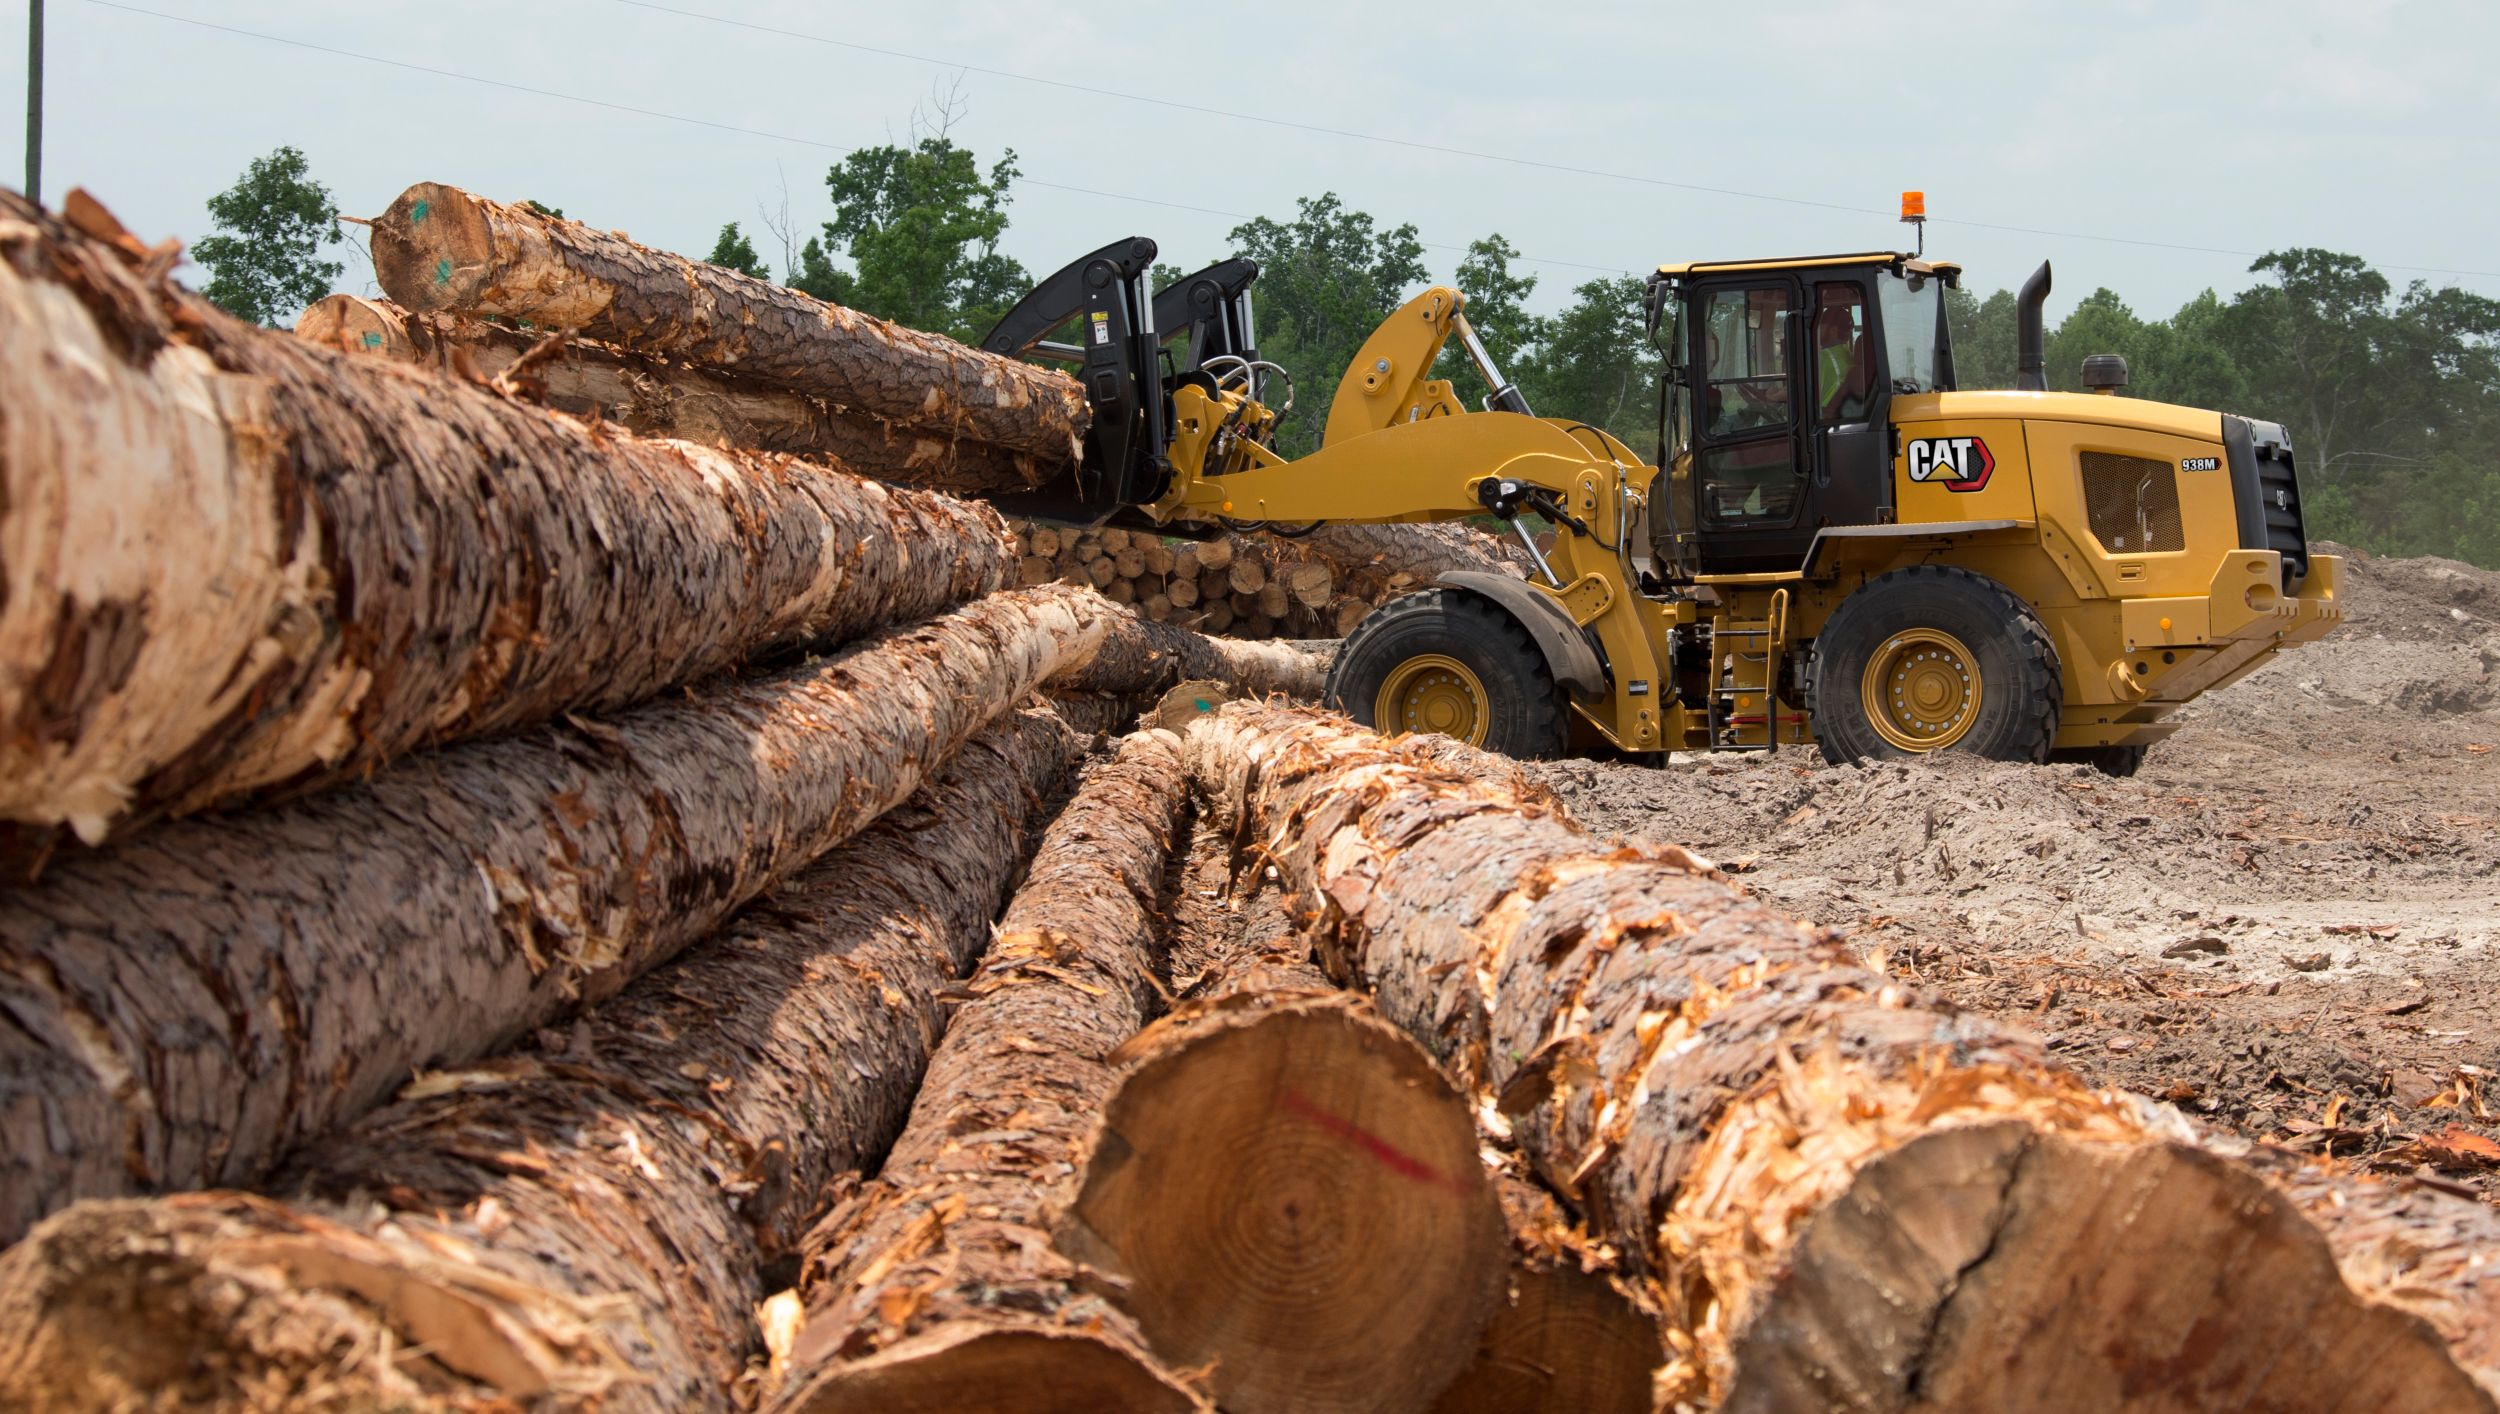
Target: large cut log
(658, 397)
(193, 1002)
(237, 564)
(1569, 1336)
(938, 1287)
(586, 1223)
(1290, 1195)
(441, 250)
(1378, 561)
(1143, 658)
(1852, 1198)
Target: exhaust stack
(2031, 367)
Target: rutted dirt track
(2285, 923)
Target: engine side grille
(2266, 490)
(2134, 503)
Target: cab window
(1746, 471)
(1844, 356)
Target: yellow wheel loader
(1842, 547)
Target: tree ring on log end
(1296, 1197)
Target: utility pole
(34, 101)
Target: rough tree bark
(938, 1288)
(441, 250)
(1290, 1194)
(1378, 561)
(195, 1001)
(589, 1223)
(1140, 658)
(238, 564)
(1853, 1199)
(657, 397)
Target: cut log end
(1997, 1266)
(433, 249)
(1294, 1197)
(1050, 1371)
(1565, 1342)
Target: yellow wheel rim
(1433, 692)
(1921, 690)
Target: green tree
(1983, 338)
(1326, 280)
(920, 224)
(1497, 309)
(817, 275)
(1597, 365)
(551, 212)
(264, 260)
(733, 251)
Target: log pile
(514, 912)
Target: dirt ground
(2284, 924)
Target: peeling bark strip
(938, 1287)
(579, 1225)
(1378, 561)
(439, 250)
(1290, 1194)
(194, 1002)
(1852, 1199)
(237, 564)
(1142, 658)
(654, 397)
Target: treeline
(2392, 396)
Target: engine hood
(2132, 413)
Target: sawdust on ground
(2285, 923)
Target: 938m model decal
(1957, 463)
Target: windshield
(1914, 332)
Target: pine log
(1217, 554)
(1275, 600)
(1346, 612)
(192, 1003)
(1182, 592)
(1129, 561)
(1219, 616)
(1140, 657)
(238, 565)
(1158, 557)
(586, 1223)
(1158, 606)
(1112, 540)
(1374, 561)
(938, 1287)
(1569, 1337)
(1311, 583)
(1852, 1197)
(441, 250)
(1046, 540)
(1290, 1194)
(656, 397)
(1102, 713)
(1248, 575)
(1185, 562)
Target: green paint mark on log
(442, 271)
(373, 339)
(418, 213)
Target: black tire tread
(2035, 655)
(1493, 633)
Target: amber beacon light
(1914, 212)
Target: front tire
(1451, 662)
(1931, 658)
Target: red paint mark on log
(1395, 1159)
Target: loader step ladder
(1744, 706)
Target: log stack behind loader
(566, 867)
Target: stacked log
(1289, 1196)
(237, 565)
(1848, 1196)
(587, 1222)
(654, 396)
(439, 250)
(1251, 586)
(216, 991)
(938, 1287)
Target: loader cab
(1775, 414)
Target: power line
(729, 127)
(1450, 151)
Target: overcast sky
(2152, 148)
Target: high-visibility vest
(1836, 361)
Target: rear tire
(2119, 761)
(1448, 661)
(1934, 659)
